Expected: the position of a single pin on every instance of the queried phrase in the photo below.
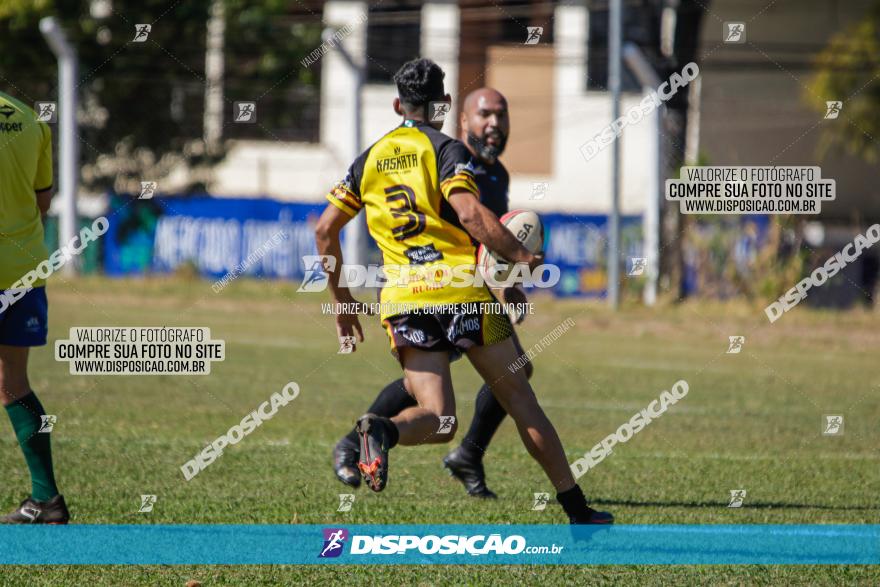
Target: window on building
(516, 16)
(640, 26)
(393, 37)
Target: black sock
(573, 501)
(488, 415)
(391, 401)
(393, 432)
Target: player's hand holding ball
(536, 261)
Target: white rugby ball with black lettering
(526, 226)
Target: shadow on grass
(751, 505)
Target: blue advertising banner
(266, 238)
(578, 245)
(440, 544)
(261, 238)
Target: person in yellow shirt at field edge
(25, 194)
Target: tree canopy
(848, 70)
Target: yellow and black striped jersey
(403, 181)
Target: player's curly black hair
(418, 82)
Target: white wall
(284, 171)
(379, 116)
(578, 185)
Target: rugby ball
(526, 226)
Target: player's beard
(484, 151)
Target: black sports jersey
(494, 183)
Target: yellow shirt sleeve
(344, 202)
(345, 195)
(455, 168)
(463, 180)
(43, 178)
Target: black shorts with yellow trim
(449, 332)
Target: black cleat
(32, 511)
(373, 461)
(345, 462)
(470, 472)
(592, 516)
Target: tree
(142, 103)
(847, 70)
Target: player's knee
(529, 369)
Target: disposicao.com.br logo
(334, 540)
(453, 544)
(434, 275)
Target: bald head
(484, 96)
(485, 123)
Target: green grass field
(751, 421)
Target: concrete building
(552, 110)
(753, 110)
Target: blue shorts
(26, 322)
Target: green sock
(25, 415)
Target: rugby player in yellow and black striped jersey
(403, 182)
(422, 204)
(485, 128)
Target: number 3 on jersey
(415, 220)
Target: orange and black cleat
(373, 462)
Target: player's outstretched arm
(484, 226)
(327, 240)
